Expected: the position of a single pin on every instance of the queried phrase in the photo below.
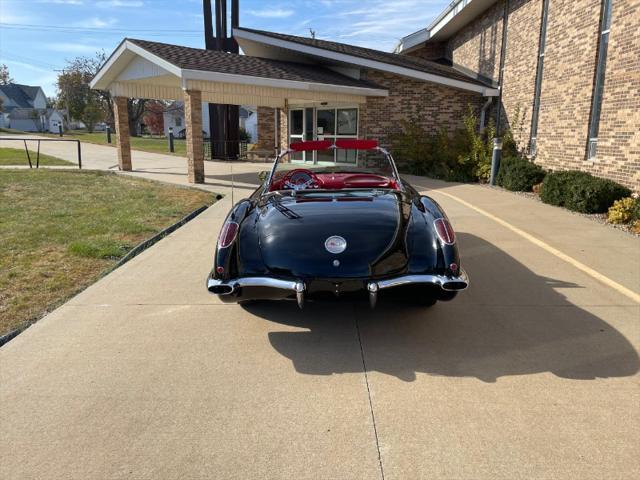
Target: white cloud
(120, 4)
(271, 13)
(95, 22)
(12, 18)
(70, 47)
(28, 66)
(63, 2)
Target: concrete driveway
(531, 373)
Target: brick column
(266, 128)
(195, 147)
(123, 141)
(283, 129)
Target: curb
(137, 250)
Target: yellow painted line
(554, 251)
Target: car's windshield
(336, 160)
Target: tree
(75, 95)
(154, 117)
(5, 78)
(136, 108)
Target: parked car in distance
(183, 134)
(336, 219)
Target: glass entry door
(323, 123)
(302, 128)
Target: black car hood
(292, 231)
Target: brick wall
(567, 89)
(433, 106)
(477, 45)
(618, 155)
(520, 66)
(429, 51)
(568, 80)
(266, 128)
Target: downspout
(483, 112)
(497, 141)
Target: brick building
(571, 78)
(428, 92)
(570, 101)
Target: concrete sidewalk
(154, 166)
(532, 373)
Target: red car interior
(303, 178)
(336, 181)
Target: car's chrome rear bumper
(448, 283)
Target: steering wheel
(300, 179)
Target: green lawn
(17, 156)
(60, 230)
(147, 144)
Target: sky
(37, 37)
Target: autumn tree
(74, 94)
(154, 117)
(5, 78)
(92, 106)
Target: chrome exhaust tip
(454, 286)
(300, 294)
(221, 289)
(372, 287)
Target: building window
(598, 88)
(533, 143)
(178, 122)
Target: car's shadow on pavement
(511, 321)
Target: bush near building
(581, 192)
(519, 174)
(464, 156)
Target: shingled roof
(230, 63)
(22, 95)
(412, 63)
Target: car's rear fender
(225, 263)
(429, 253)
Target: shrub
(244, 135)
(519, 174)
(622, 211)
(581, 192)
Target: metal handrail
(26, 149)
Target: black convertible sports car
(336, 219)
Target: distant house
(24, 107)
(36, 120)
(174, 118)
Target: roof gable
(376, 59)
(188, 58)
(22, 96)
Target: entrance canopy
(143, 69)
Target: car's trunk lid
(293, 230)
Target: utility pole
(224, 120)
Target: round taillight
(220, 270)
(445, 231)
(227, 234)
(453, 267)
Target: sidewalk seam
(373, 417)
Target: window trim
(599, 80)
(535, 113)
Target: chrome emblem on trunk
(335, 244)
